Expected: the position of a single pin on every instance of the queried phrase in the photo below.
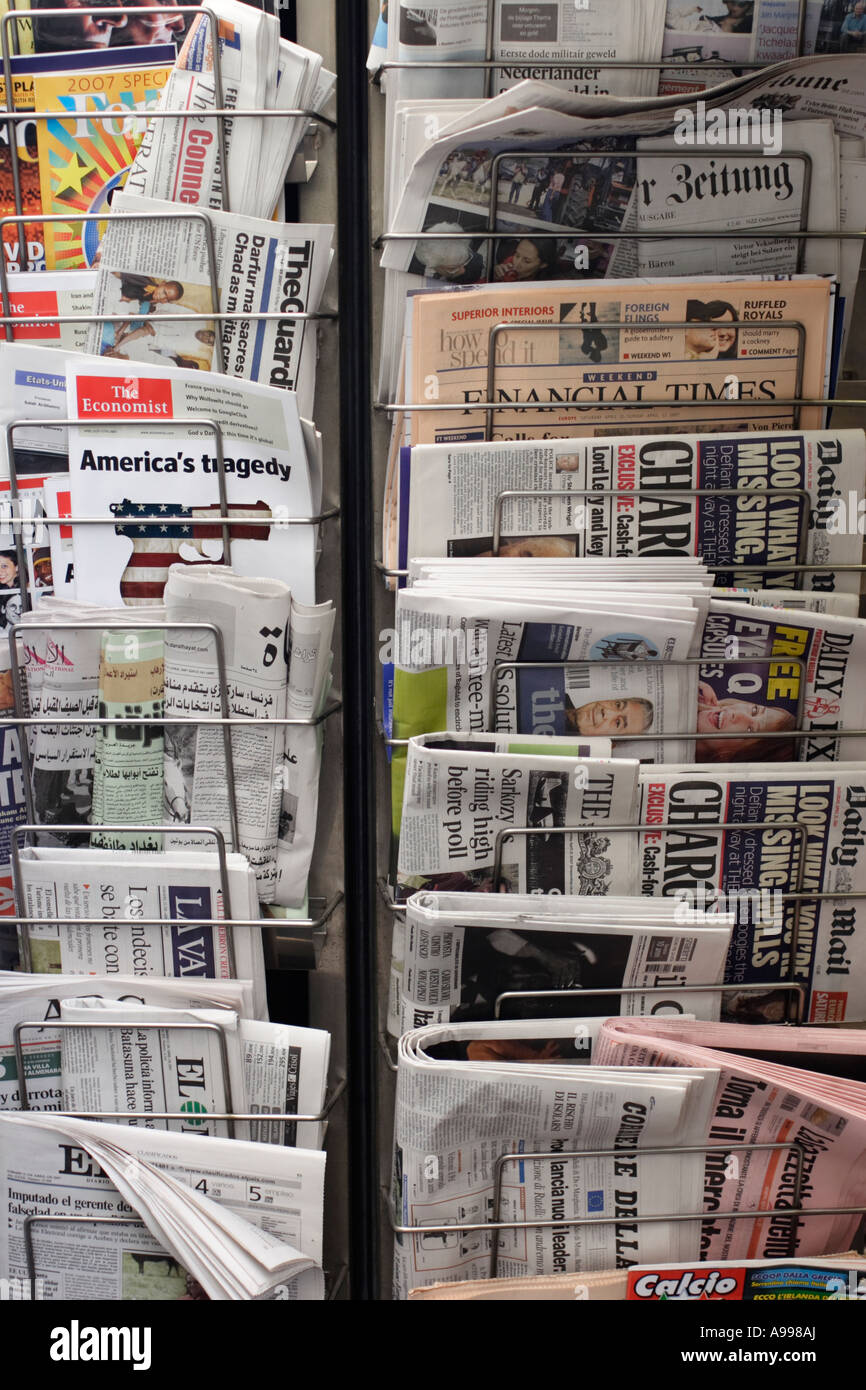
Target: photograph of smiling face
(607, 718)
(730, 715)
(713, 334)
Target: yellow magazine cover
(81, 160)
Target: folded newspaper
(472, 1099)
(457, 954)
(240, 1220)
(462, 792)
(651, 505)
(155, 272)
(154, 1059)
(73, 888)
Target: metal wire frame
(204, 1026)
(18, 831)
(489, 64)
(15, 16)
(797, 991)
(184, 214)
(496, 1224)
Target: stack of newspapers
(621, 693)
(497, 1123)
(569, 44)
(538, 184)
(173, 665)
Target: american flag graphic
(161, 531)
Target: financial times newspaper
(457, 953)
(448, 494)
(242, 1220)
(462, 789)
(123, 886)
(469, 1093)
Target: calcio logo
(686, 1283)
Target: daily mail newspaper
(448, 494)
(154, 266)
(461, 790)
(817, 848)
(757, 1101)
(250, 1067)
(470, 1093)
(26, 998)
(123, 887)
(253, 618)
(813, 687)
(459, 952)
(448, 670)
(119, 472)
(242, 1220)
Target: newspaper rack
(797, 1212)
(488, 65)
(219, 111)
(228, 1116)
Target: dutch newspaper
(144, 1064)
(124, 887)
(616, 665)
(463, 790)
(456, 954)
(240, 1220)
(36, 999)
(771, 487)
(155, 271)
(765, 1101)
(253, 618)
(817, 847)
(527, 41)
(470, 1093)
